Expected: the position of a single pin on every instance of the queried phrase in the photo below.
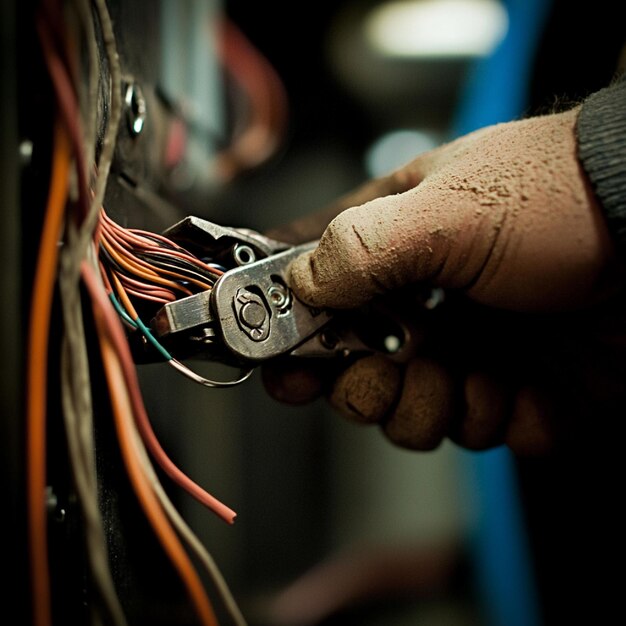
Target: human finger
(366, 391)
(423, 414)
(294, 382)
(478, 221)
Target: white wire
(183, 369)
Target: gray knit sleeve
(601, 131)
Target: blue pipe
(496, 90)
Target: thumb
(379, 246)
(504, 214)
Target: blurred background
(335, 525)
(257, 113)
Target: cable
(187, 534)
(36, 399)
(67, 104)
(75, 393)
(62, 60)
(119, 258)
(142, 260)
(81, 447)
(122, 412)
(143, 423)
(115, 111)
(79, 428)
(124, 399)
(90, 99)
(137, 263)
(196, 547)
(260, 137)
(206, 382)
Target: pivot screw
(252, 314)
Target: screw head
(252, 314)
(135, 109)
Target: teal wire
(137, 323)
(121, 312)
(150, 337)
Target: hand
(504, 221)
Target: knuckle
(423, 415)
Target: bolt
(243, 254)
(135, 108)
(278, 296)
(392, 343)
(253, 314)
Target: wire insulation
(36, 400)
(117, 337)
(122, 412)
(125, 271)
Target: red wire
(267, 98)
(68, 107)
(118, 338)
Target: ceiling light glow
(436, 28)
(397, 148)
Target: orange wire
(127, 259)
(119, 254)
(118, 338)
(176, 250)
(120, 244)
(129, 239)
(137, 268)
(150, 296)
(105, 278)
(123, 419)
(121, 292)
(39, 330)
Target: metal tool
(252, 315)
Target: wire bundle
(144, 266)
(149, 266)
(114, 265)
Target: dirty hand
(504, 221)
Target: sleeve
(601, 135)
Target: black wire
(109, 262)
(178, 265)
